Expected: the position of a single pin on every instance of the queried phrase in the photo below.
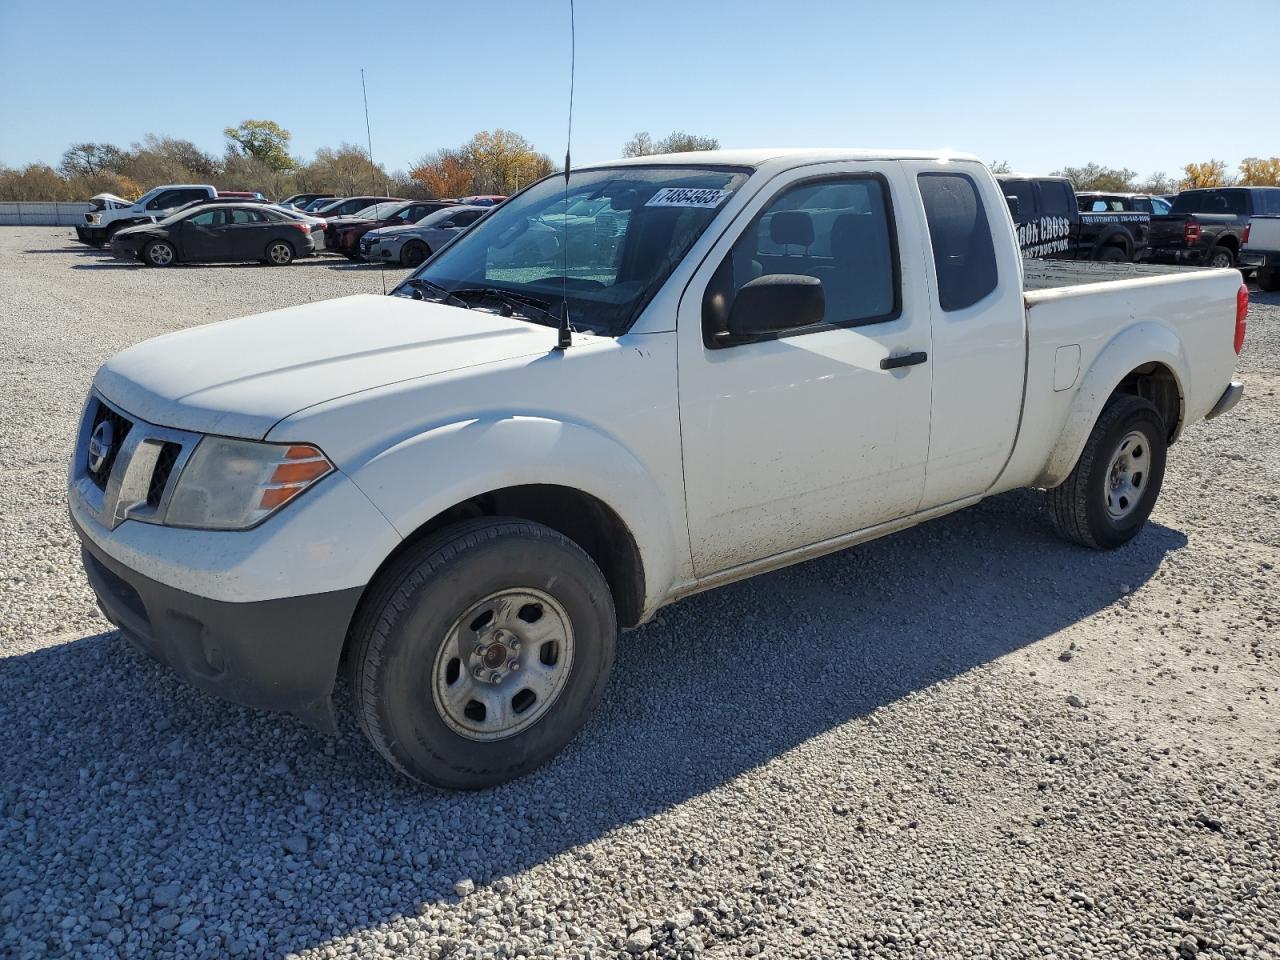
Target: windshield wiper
(427, 286)
(513, 300)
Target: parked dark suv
(1207, 226)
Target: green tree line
(257, 157)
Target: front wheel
(159, 253)
(1109, 495)
(413, 253)
(279, 253)
(1220, 256)
(1112, 255)
(481, 653)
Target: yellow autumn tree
(1211, 173)
(1260, 171)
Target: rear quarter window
(964, 255)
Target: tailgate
(1167, 230)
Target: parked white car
(462, 490)
(109, 213)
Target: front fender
(1134, 346)
(455, 462)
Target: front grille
(160, 476)
(120, 427)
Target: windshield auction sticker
(687, 197)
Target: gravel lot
(967, 740)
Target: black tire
(1080, 506)
(1112, 254)
(279, 253)
(413, 253)
(1220, 256)
(1269, 279)
(401, 650)
(159, 253)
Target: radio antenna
(368, 133)
(564, 338)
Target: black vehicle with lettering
(1050, 224)
(1207, 227)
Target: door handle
(904, 360)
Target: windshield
(1210, 201)
(378, 211)
(625, 229)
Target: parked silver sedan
(410, 245)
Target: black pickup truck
(1207, 227)
(1051, 226)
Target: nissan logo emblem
(100, 442)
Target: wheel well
(1228, 241)
(1155, 382)
(587, 521)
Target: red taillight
(1242, 311)
(1245, 241)
(1191, 232)
(304, 227)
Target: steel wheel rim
(503, 664)
(161, 254)
(1221, 260)
(1128, 476)
(278, 253)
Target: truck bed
(1047, 274)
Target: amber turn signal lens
(300, 471)
(273, 497)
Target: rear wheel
(159, 253)
(1109, 495)
(279, 253)
(1220, 256)
(1269, 279)
(413, 253)
(1112, 255)
(481, 653)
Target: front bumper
(380, 250)
(91, 234)
(271, 654)
(1230, 397)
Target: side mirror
(1014, 206)
(775, 303)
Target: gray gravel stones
(874, 754)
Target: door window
(209, 218)
(964, 255)
(1055, 197)
(1025, 195)
(246, 216)
(839, 230)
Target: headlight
(236, 484)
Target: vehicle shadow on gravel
(213, 829)
(110, 264)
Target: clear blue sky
(1040, 84)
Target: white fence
(43, 214)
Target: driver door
(798, 437)
(204, 235)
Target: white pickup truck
(741, 360)
(108, 213)
(1261, 249)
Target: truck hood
(240, 377)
